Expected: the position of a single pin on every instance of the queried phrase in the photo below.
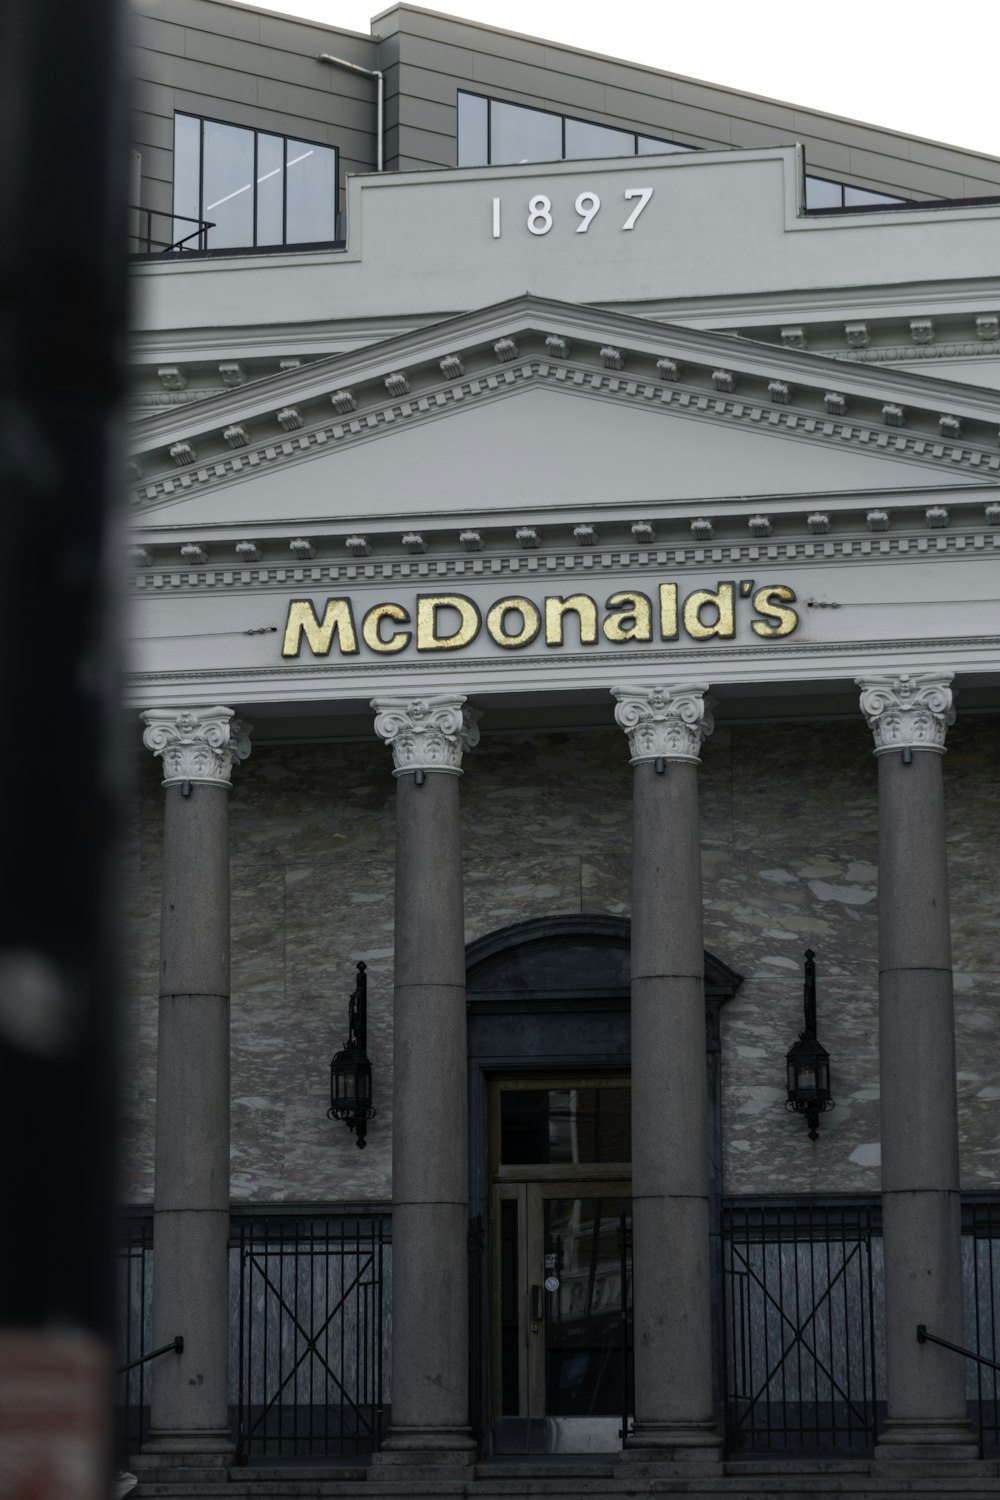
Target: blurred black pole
(63, 140)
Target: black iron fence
(802, 1327)
(803, 1336)
(981, 1265)
(134, 1295)
(313, 1325)
(309, 1332)
(804, 1356)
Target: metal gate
(312, 1360)
(802, 1327)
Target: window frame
(678, 146)
(284, 243)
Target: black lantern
(808, 1063)
(350, 1070)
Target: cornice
(264, 349)
(554, 562)
(930, 432)
(533, 318)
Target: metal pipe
(376, 73)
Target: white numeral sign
(540, 218)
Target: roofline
(723, 88)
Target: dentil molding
(196, 745)
(913, 711)
(664, 721)
(426, 734)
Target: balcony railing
(153, 231)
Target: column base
(671, 1448)
(903, 1441)
(423, 1448)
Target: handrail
(164, 247)
(923, 1337)
(176, 1346)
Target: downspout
(376, 73)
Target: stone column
(674, 1420)
(921, 1209)
(430, 1176)
(190, 1404)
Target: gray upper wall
(248, 66)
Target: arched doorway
(550, 1169)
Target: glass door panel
(562, 1316)
(585, 1352)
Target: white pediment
(539, 411)
(536, 452)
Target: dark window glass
(518, 134)
(227, 184)
(270, 189)
(473, 137)
(565, 1126)
(585, 1363)
(311, 173)
(823, 194)
(583, 140)
(648, 147)
(855, 197)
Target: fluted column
(430, 1177)
(190, 1405)
(666, 725)
(909, 716)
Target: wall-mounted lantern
(350, 1070)
(808, 1063)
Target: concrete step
(795, 1479)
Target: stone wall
(789, 848)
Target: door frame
(552, 995)
(530, 1195)
(529, 1185)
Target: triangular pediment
(536, 409)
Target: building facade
(564, 579)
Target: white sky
(925, 67)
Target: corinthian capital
(198, 745)
(426, 734)
(910, 712)
(664, 721)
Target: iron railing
(803, 1356)
(134, 1294)
(313, 1329)
(170, 236)
(802, 1327)
(981, 1266)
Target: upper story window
(822, 193)
(257, 189)
(492, 133)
